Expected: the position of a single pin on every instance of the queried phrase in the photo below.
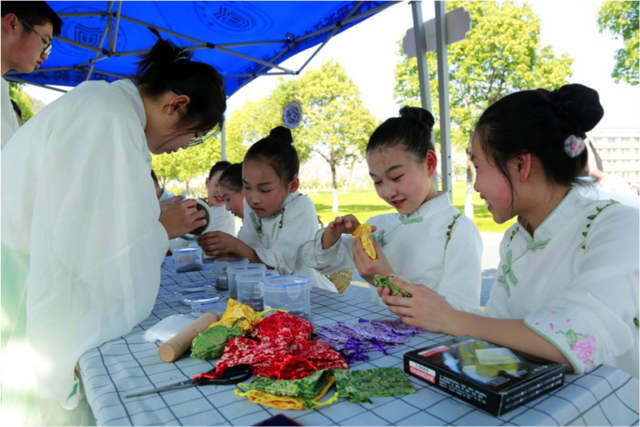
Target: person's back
(28, 28)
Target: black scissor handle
(230, 376)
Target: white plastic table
(605, 396)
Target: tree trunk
(334, 181)
(468, 201)
(186, 192)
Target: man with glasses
(28, 28)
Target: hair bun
(282, 133)
(419, 115)
(581, 104)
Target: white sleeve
(222, 220)
(298, 225)
(593, 320)
(96, 245)
(462, 280)
(336, 258)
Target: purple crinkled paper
(352, 340)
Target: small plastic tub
(187, 259)
(220, 266)
(250, 289)
(291, 293)
(233, 268)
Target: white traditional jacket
(81, 242)
(434, 245)
(278, 239)
(222, 220)
(575, 281)
(9, 120)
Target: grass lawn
(365, 203)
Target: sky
(368, 54)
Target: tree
(500, 55)
(335, 123)
(185, 165)
(22, 98)
(621, 19)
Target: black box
(491, 377)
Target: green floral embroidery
(450, 227)
(257, 224)
(513, 233)
(592, 217)
(532, 244)
(406, 221)
(507, 269)
(379, 239)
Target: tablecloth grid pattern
(606, 396)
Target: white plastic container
(291, 293)
(220, 266)
(187, 259)
(233, 268)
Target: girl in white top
(279, 218)
(221, 218)
(83, 238)
(428, 240)
(568, 284)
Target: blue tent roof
(242, 39)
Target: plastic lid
(195, 287)
(201, 298)
(184, 250)
(248, 268)
(285, 281)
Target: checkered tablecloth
(606, 396)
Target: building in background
(619, 150)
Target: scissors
(233, 375)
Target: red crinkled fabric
(284, 350)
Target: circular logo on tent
(86, 30)
(233, 18)
(292, 114)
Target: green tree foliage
(500, 55)
(621, 19)
(185, 165)
(22, 98)
(335, 123)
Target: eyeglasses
(201, 137)
(48, 43)
(197, 140)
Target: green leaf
(572, 338)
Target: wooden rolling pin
(172, 349)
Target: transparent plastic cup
(250, 289)
(220, 266)
(231, 271)
(291, 293)
(187, 259)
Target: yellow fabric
(364, 232)
(288, 402)
(236, 310)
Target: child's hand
(215, 243)
(367, 267)
(426, 309)
(181, 218)
(341, 225)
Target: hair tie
(181, 55)
(574, 145)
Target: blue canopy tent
(242, 39)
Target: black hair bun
(282, 133)
(419, 115)
(581, 104)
